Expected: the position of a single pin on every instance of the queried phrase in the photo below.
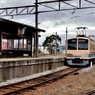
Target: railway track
(31, 84)
(90, 92)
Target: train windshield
(72, 44)
(82, 44)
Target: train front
(78, 51)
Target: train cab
(78, 51)
(78, 46)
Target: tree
(50, 43)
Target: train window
(82, 44)
(72, 44)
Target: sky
(57, 21)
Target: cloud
(56, 21)
(14, 3)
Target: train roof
(81, 36)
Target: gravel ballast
(76, 84)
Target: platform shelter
(17, 39)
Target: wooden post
(1, 42)
(31, 46)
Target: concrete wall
(19, 68)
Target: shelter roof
(12, 26)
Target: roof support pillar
(36, 34)
(32, 45)
(79, 3)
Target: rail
(90, 92)
(16, 88)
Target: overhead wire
(75, 16)
(59, 12)
(76, 19)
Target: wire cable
(60, 12)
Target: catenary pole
(66, 41)
(36, 34)
(56, 44)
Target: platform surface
(29, 58)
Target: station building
(18, 39)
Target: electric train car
(80, 51)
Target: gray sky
(54, 22)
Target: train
(80, 51)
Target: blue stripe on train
(92, 55)
(76, 56)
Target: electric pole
(66, 41)
(36, 34)
(56, 44)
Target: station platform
(16, 68)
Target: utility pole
(66, 41)
(36, 34)
(56, 44)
